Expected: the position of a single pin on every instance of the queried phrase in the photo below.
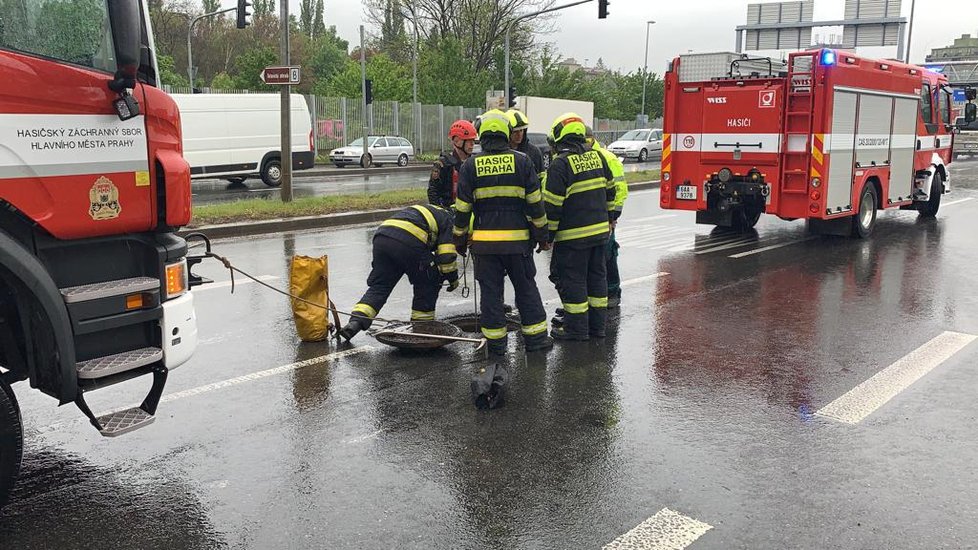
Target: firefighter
(580, 201)
(519, 142)
(417, 242)
(500, 191)
(621, 190)
(443, 183)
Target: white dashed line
(666, 530)
(959, 201)
(772, 247)
(638, 280)
(864, 399)
(229, 383)
(237, 282)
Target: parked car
(540, 140)
(381, 150)
(638, 144)
(237, 136)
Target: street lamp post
(913, 4)
(416, 117)
(190, 32)
(512, 24)
(645, 70)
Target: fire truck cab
(828, 136)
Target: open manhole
(470, 323)
(412, 336)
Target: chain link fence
(339, 120)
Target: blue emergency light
(828, 57)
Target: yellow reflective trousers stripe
(462, 206)
(531, 330)
(597, 302)
(446, 249)
(534, 197)
(494, 333)
(447, 268)
(365, 309)
(409, 227)
(575, 308)
(582, 232)
(422, 315)
(501, 235)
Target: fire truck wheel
(271, 173)
(746, 218)
(864, 220)
(11, 441)
(643, 156)
(929, 209)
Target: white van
(236, 136)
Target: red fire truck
(93, 184)
(829, 137)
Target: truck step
(122, 422)
(100, 367)
(96, 291)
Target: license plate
(686, 192)
(971, 145)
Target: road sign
(281, 75)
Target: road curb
(244, 229)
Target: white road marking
(747, 241)
(650, 218)
(772, 247)
(861, 401)
(238, 281)
(959, 201)
(646, 238)
(666, 530)
(228, 383)
(638, 280)
(713, 241)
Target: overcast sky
(697, 25)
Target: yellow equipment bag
(309, 280)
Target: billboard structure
(789, 25)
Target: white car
(380, 150)
(638, 144)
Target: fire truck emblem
(766, 98)
(104, 200)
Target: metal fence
(339, 120)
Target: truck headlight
(176, 279)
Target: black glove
(452, 285)
(461, 244)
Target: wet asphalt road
(337, 182)
(702, 401)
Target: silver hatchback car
(380, 150)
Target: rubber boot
(538, 342)
(614, 298)
(498, 346)
(558, 318)
(597, 321)
(574, 327)
(351, 329)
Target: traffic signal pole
(513, 23)
(190, 46)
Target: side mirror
(124, 17)
(970, 113)
(971, 94)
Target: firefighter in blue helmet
(499, 191)
(417, 242)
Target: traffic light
(511, 98)
(602, 9)
(370, 91)
(244, 13)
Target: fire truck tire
(745, 218)
(11, 441)
(929, 209)
(643, 155)
(865, 219)
(271, 172)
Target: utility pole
(363, 86)
(286, 107)
(645, 69)
(913, 5)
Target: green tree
(222, 81)
(467, 85)
(210, 6)
(167, 73)
(249, 65)
(391, 81)
(263, 7)
(328, 58)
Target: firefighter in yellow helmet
(500, 191)
(580, 198)
(519, 142)
(621, 188)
